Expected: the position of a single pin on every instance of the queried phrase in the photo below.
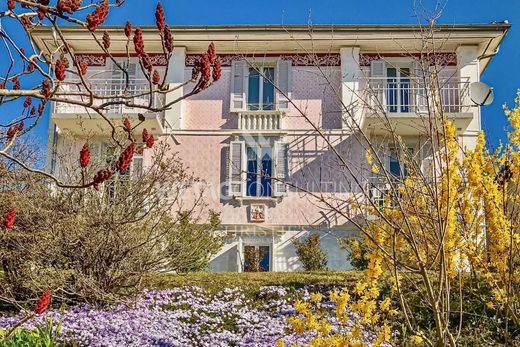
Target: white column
(175, 115)
(240, 255)
(350, 88)
(469, 70)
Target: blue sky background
(503, 73)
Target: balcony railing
(260, 120)
(411, 95)
(104, 89)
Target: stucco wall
(284, 256)
(313, 92)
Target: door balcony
(80, 120)
(260, 121)
(404, 102)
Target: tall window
(398, 89)
(261, 89)
(397, 165)
(259, 171)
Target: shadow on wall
(226, 260)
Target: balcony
(260, 120)
(405, 101)
(80, 120)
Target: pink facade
(311, 164)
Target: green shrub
(44, 336)
(357, 251)
(310, 254)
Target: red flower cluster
(145, 135)
(33, 111)
(13, 130)
(97, 17)
(68, 6)
(60, 69)
(159, 16)
(10, 4)
(40, 108)
(205, 69)
(30, 67)
(43, 304)
(27, 102)
(46, 88)
(41, 14)
(126, 124)
(168, 39)
(138, 42)
(101, 176)
(128, 29)
(150, 141)
(212, 53)
(83, 68)
(106, 40)
(156, 79)
(217, 70)
(16, 83)
(9, 219)
(84, 156)
(125, 158)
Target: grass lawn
(251, 282)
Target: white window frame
(257, 245)
(398, 65)
(260, 68)
(258, 148)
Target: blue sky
(503, 73)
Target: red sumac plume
(59, 70)
(84, 156)
(128, 29)
(27, 102)
(98, 16)
(212, 53)
(83, 67)
(168, 39)
(138, 42)
(217, 69)
(16, 83)
(150, 141)
(127, 124)
(101, 176)
(46, 88)
(125, 158)
(43, 304)
(156, 79)
(159, 16)
(145, 135)
(10, 4)
(69, 6)
(9, 219)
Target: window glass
(253, 96)
(268, 89)
(259, 171)
(252, 172)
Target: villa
(266, 138)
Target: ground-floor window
(257, 258)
